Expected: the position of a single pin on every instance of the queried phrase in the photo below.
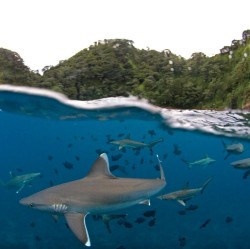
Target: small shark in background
(128, 143)
(99, 192)
(236, 148)
(202, 162)
(19, 181)
(241, 164)
(185, 194)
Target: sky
(43, 32)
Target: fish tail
(154, 143)
(205, 184)
(186, 162)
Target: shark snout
(24, 202)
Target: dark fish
(67, 226)
(118, 167)
(33, 224)
(56, 171)
(137, 152)
(203, 225)
(140, 220)
(127, 224)
(50, 157)
(116, 158)
(109, 139)
(177, 151)
(182, 241)
(82, 137)
(37, 238)
(151, 133)
(58, 138)
(19, 170)
(68, 165)
(149, 213)
(228, 219)
(165, 156)
(70, 145)
(181, 212)
(120, 247)
(77, 158)
(142, 161)
(121, 135)
(152, 222)
(192, 207)
(246, 174)
(133, 167)
(157, 168)
(51, 183)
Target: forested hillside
(116, 68)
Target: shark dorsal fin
(100, 168)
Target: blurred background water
(62, 148)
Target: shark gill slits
(59, 208)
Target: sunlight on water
(204, 154)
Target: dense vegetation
(116, 68)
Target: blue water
(43, 143)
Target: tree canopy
(116, 68)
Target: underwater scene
(120, 173)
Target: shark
(241, 164)
(18, 182)
(202, 162)
(99, 192)
(128, 143)
(181, 196)
(235, 148)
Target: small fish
(177, 151)
(121, 135)
(19, 170)
(32, 224)
(151, 133)
(37, 238)
(50, 157)
(116, 157)
(149, 213)
(152, 222)
(77, 158)
(157, 168)
(203, 225)
(192, 207)
(228, 219)
(51, 183)
(182, 241)
(127, 224)
(70, 145)
(142, 161)
(68, 165)
(56, 171)
(82, 138)
(182, 212)
(140, 220)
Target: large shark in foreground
(18, 182)
(100, 192)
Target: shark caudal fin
(154, 143)
(205, 184)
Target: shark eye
(32, 205)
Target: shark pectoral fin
(55, 217)
(182, 202)
(145, 202)
(120, 147)
(18, 191)
(76, 222)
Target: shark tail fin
(162, 177)
(154, 143)
(205, 184)
(186, 162)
